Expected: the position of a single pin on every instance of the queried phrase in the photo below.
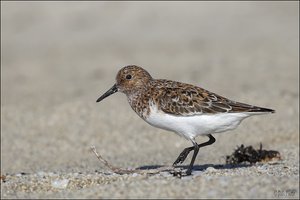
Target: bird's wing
(188, 100)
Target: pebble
(18, 175)
(60, 184)
(262, 169)
(211, 169)
(41, 173)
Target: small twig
(111, 167)
(118, 170)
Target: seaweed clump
(249, 154)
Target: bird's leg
(183, 155)
(196, 150)
(187, 150)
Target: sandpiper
(185, 109)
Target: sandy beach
(57, 58)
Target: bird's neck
(139, 102)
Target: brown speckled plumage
(174, 97)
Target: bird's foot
(181, 172)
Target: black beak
(112, 90)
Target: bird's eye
(128, 77)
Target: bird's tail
(261, 110)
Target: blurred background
(57, 58)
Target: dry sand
(58, 58)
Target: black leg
(187, 150)
(183, 155)
(196, 150)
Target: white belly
(192, 126)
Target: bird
(182, 108)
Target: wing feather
(187, 100)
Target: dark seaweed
(251, 155)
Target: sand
(58, 58)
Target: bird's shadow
(199, 167)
